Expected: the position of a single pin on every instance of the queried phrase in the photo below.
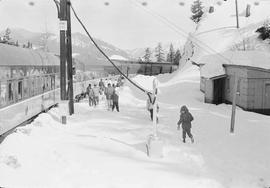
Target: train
(30, 82)
(145, 68)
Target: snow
(118, 57)
(100, 148)
(217, 32)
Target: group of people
(105, 90)
(110, 91)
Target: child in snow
(185, 120)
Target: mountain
(82, 48)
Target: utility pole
(69, 59)
(63, 19)
(234, 103)
(237, 16)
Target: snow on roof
(12, 55)
(213, 63)
(118, 57)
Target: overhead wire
(163, 19)
(104, 54)
(179, 30)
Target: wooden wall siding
(241, 74)
(266, 94)
(242, 98)
(258, 74)
(228, 89)
(255, 93)
(209, 90)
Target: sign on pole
(63, 25)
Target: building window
(20, 90)
(10, 92)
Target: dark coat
(115, 97)
(185, 118)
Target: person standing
(96, 94)
(90, 94)
(109, 92)
(115, 99)
(185, 120)
(101, 85)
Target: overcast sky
(124, 23)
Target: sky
(124, 23)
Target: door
(219, 90)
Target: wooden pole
(63, 18)
(234, 104)
(237, 16)
(69, 60)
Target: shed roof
(213, 63)
(12, 56)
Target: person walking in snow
(185, 120)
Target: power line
(103, 53)
(179, 30)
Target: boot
(184, 140)
(192, 139)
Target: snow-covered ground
(100, 148)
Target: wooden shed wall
(241, 75)
(209, 91)
(257, 82)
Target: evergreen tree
(264, 31)
(147, 56)
(159, 53)
(197, 10)
(140, 60)
(177, 57)
(6, 37)
(171, 54)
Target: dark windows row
(23, 71)
(12, 91)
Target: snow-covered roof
(213, 63)
(118, 57)
(12, 55)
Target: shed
(252, 71)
